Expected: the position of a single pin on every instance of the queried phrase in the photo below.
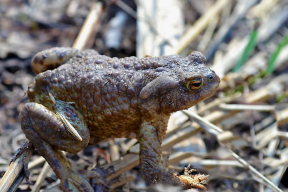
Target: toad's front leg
(150, 138)
(49, 136)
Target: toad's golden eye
(194, 84)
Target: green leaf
(275, 54)
(247, 51)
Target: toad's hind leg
(49, 136)
(52, 58)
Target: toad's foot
(97, 178)
(24, 146)
(78, 181)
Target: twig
(14, 169)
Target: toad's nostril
(211, 77)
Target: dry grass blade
(52, 98)
(214, 129)
(238, 107)
(87, 28)
(215, 163)
(41, 177)
(69, 127)
(209, 127)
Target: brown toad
(103, 97)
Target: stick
(14, 170)
(87, 28)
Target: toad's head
(185, 82)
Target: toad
(81, 97)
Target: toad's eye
(194, 84)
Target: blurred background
(244, 41)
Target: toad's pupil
(196, 84)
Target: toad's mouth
(31, 92)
